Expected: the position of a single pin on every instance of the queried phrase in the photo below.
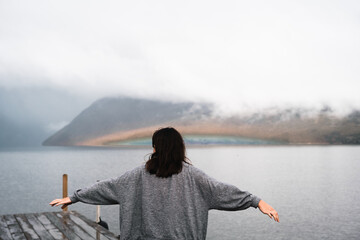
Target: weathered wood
(93, 232)
(26, 227)
(73, 226)
(10, 220)
(65, 189)
(61, 224)
(52, 226)
(38, 227)
(4, 230)
(80, 219)
(14, 228)
(53, 230)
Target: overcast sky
(238, 54)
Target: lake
(315, 189)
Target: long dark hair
(169, 154)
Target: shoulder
(133, 174)
(195, 172)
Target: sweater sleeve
(228, 197)
(222, 196)
(102, 193)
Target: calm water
(316, 189)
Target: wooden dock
(52, 225)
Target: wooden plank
(26, 227)
(62, 225)
(4, 230)
(53, 230)
(52, 226)
(93, 228)
(103, 230)
(90, 230)
(38, 227)
(73, 226)
(14, 228)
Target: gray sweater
(165, 208)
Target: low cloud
(53, 127)
(242, 56)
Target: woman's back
(165, 208)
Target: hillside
(111, 115)
(112, 120)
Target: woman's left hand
(64, 202)
(268, 210)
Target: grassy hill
(112, 120)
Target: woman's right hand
(63, 201)
(268, 210)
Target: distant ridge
(110, 120)
(111, 115)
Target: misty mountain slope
(28, 115)
(111, 120)
(13, 133)
(109, 115)
(345, 131)
(300, 127)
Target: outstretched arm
(268, 210)
(101, 193)
(64, 202)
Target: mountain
(112, 120)
(111, 115)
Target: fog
(242, 56)
(30, 115)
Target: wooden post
(65, 188)
(97, 211)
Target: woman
(168, 198)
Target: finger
(269, 214)
(53, 201)
(276, 216)
(59, 203)
(53, 204)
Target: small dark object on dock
(52, 225)
(103, 224)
